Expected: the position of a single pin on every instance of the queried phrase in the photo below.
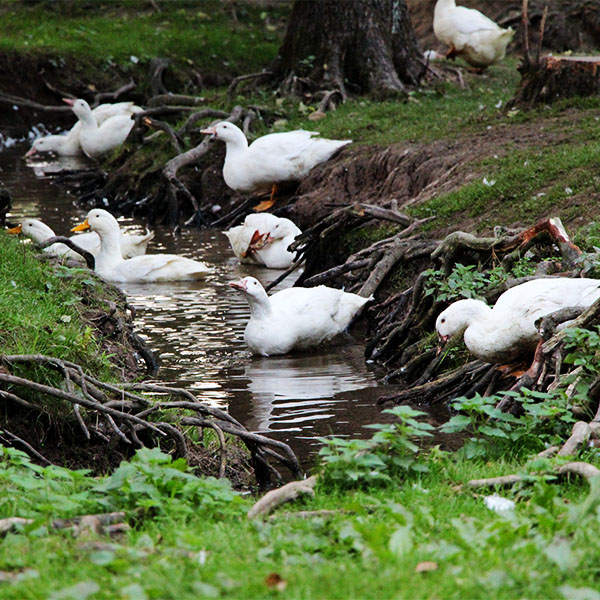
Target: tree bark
(368, 46)
(556, 77)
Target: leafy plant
(153, 481)
(33, 490)
(463, 282)
(390, 452)
(494, 432)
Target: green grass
(41, 308)
(523, 185)
(369, 548)
(434, 111)
(204, 34)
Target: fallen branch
(100, 521)
(90, 261)
(271, 500)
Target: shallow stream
(197, 329)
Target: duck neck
(260, 306)
(237, 145)
(110, 251)
(87, 120)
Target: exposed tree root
(371, 265)
(579, 438)
(117, 413)
(402, 345)
(83, 525)
(271, 500)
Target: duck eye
(443, 321)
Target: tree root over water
(119, 414)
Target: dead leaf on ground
(275, 582)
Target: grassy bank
(45, 309)
(398, 523)
(416, 536)
(211, 36)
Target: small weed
(391, 452)
(546, 416)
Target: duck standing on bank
(271, 159)
(38, 231)
(68, 145)
(470, 34)
(507, 331)
(111, 265)
(263, 239)
(97, 140)
(295, 318)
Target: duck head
(457, 317)
(248, 285)
(224, 131)
(80, 107)
(282, 229)
(260, 305)
(98, 220)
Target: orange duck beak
(15, 230)
(82, 226)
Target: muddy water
(197, 328)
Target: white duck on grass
(507, 331)
(470, 34)
(97, 140)
(271, 159)
(111, 265)
(38, 231)
(295, 318)
(263, 239)
(68, 145)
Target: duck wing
(469, 20)
(159, 267)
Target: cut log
(557, 77)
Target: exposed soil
(411, 174)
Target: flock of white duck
(291, 319)
(300, 318)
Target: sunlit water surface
(197, 329)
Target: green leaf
(455, 424)
(560, 553)
(401, 541)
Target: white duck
(295, 318)
(274, 253)
(507, 330)
(470, 34)
(68, 145)
(111, 266)
(97, 140)
(263, 239)
(270, 159)
(131, 244)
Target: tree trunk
(556, 77)
(365, 46)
